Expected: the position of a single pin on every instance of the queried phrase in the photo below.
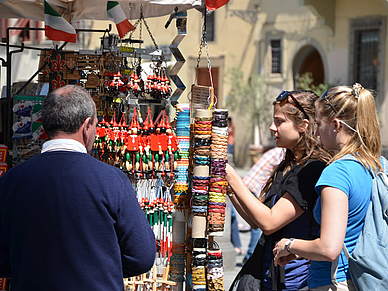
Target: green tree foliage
(305, 82)
(248, 97)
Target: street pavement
(230, 275)
(244, 237)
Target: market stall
(175, 163)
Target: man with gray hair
(67, 220)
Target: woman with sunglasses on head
(284, 208)
(347, 123)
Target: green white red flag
(117, 15)
(56, 27)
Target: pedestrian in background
(347, 124)
(255, 180)
(231, 131)
(67, 220)
(285, 205)
(234, 228)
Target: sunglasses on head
(327, 101)
(283, 97)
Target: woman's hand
(281, 256)
(229, 170)
(285, 260)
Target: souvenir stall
(176, 163)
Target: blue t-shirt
(356, 182)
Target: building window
(210, 26)
(366, 57)
(366, 48)
(276, 56)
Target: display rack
(177, 166)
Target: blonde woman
(347, 124)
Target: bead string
(178, 258)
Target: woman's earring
(334, 130)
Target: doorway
(309, 60)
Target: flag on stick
(117, 15)
(56, 27)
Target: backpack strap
(384, 176)
(334, 268)
(345, 250)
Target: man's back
(72, 223)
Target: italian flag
(56, 27)
(116, 14)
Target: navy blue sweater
(70, 222)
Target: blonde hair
(357, 111)
(308, 147)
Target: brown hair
(357, 111)
(308, 147)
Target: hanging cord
(208, 62)
(149, 32)
(142, 20)
(199, 58)
(141, 27)
(204, 43)
(135, 25)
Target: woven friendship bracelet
(202, 132)
(202, 152)
(219, 161)
(217, 179)
(201, 158)
(218, 154)
(220, 123)
(198, 118)
(220, 204)
(201, 188)
(199, 206)
(221, 187)
(212, 199)
(212, 264)
(200, 178)
(216, 207)
(220, 130)
(213, 196)
(179, 248)
(222, 211)
(216, 218)
(203, 122)
(207, 124)
(218, 190)
(221, 112)
(220, 137)
(203, 136)
(222, 183)
(215, 147)
(218, 171)
(212, 255)
(216, 270)
(217, 117)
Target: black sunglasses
(327, 101)
(284, 97)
